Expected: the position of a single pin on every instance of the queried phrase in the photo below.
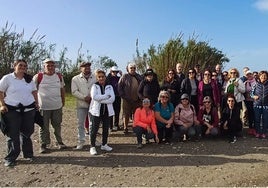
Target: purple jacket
(215, 92)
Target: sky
(239, 28)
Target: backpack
(191, 107)
(41, 74)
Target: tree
(105, 63)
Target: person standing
(51, 97)
(128, 90)
(260, 95)
(80, 87)
(101, 110)
(18, 100)
(113, 80)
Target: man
(128, 90)
(198, 75)
(113, 80)
(51, 97)
(180, 75)
(219, 74)
(244, 77)
(80, 87)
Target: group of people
(183, 107)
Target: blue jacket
(261, 90)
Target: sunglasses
(191, 72)
(206, 102)
(185, 99)
(146, 101)
(232, 72)
(164, 97)
(170, 73)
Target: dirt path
(205, 163)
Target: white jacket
(239, 90)
(98, 99)
(81, 88)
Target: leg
(27, 129)
(81, 116)
(138, 131)
(257, 115)
(44, 130)
(94, 129)
(117, 108)
(105, 128)
(56, 120)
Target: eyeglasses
(207, 74)
(185, 99)
(214, 74)
(225, 74)
(206, 102)
(191, 72)
(22, 65)
(132, 67)
(170, 73)
(232, 72)
(101, 76)
(146, 101)
(164, 97)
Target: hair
(167, 77)
(16, 62)
(235, 69)
(98, 71)
(231, 96)
(263, 72)
(163, 92)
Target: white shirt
(16, 90)
(49, 92)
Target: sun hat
(207, 99)
(185, 96)
(114, 69)
(85, 63)
(48, 60)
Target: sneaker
(263, 136)
(257, 135)
(233, 140)
(125, 131)
(115, 128)
(79, 146)
(93, 151)
(30, 159)
(139, 146)
(43, 149)
(9, 163)
(87, 133)
(106, 148)
(61, 145)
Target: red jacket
(143, 120)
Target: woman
(172, 85)
(101, 109)
(260, 96)
(232, 123)
(144, 123)
(185, 119)
(164, 115)
(18, 100)
(249, 83)
(235, 87)
(208, 118)
(149, 87)
(189, 85)
(208, 87)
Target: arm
(96, 95)
(241, 86)
(75, 89)
(110, 92)
(138, 119)
(3, 107)
(62, 94)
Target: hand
(149, 130)
(156, 139)
(168, 125)
(37, 106)
(255, 97)
(87, 99)
(3, 109)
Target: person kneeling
(144, 123)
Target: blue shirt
(164, 112)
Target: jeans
(82, 114)
(261, 113)
(139, 132)
(250, 113)
(164, 132)
(105, 119)
(20, 128)
(55, 117)
(190, 131)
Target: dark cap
(149, 72)
(85, 63)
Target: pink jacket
(215, 91)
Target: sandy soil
(209, 162)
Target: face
(114, 73)
(179, 68)
(86, 70)
(263, 78)
(146, 103)
(249, 76)
(225, 75)
(230, 102)
(20, 67)
(214, 75)
(49, 68)
(164, 98)
(132, 70)
(191, 73)
(218, 68)
(207, 75)
(101, 78)
(171, 74)
(149, 77)
(207, 103)
(184, 101)
(233, 73)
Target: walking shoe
(106, 148)
(93, 151)
(233, 140)
(115, 128)
(9, 163)
(30, 159)
(263, 136)
(125, 131)
(79, 146)
(139, 146)
(43, 149)
(61, 145)
(257, 135)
